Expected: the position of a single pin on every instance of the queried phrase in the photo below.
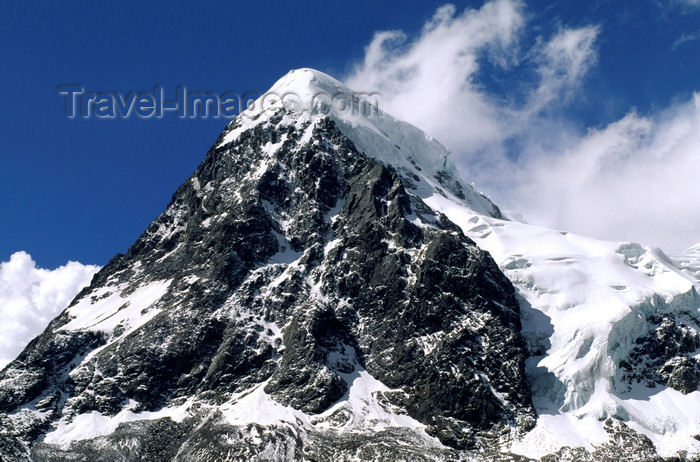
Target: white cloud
(430, 81)
(685, 38)
(435, 81)
(31, 297)
(563, 62)
(636, 179)
(683, 6)
(691, 3)
(631, 180)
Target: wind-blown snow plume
(30, 297)
(622, 181)
(430, 81)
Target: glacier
(584, 304)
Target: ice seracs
(585, 305)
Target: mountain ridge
(316, 290)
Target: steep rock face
(666, 356)
(290, 264)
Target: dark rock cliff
(292, 261)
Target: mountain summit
(325, 287)
(307, 94)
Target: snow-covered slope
(586, 305)
(689, 262)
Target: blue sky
(582, 80)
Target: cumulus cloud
(437, 81)
(630, 180)
(31, 297)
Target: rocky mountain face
(293, 266)
(314, 291)
(664, 356)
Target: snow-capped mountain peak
(296, 299)
(308, 95)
